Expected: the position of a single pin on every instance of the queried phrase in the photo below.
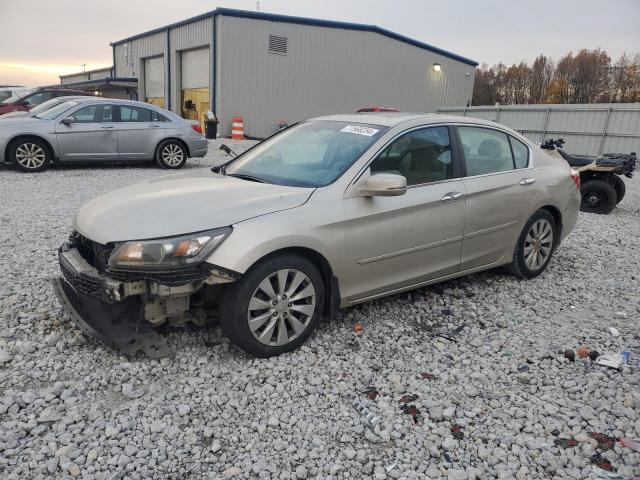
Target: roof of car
(391, 119)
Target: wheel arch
(331, 285)
(24, 136)
(557, 217)
(176, 139)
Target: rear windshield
(4, 94)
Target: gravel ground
(495, 399)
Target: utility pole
(84, 67)
(257, 5)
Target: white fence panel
(588, 129)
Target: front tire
(171, 154)
(598, 196)
(535, 246)
(275, 307)
(30, 154)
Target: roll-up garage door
(154, 80)
(195, 68)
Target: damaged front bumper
(122, 308)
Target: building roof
(86, 72)
(304, 21)
(117, 81)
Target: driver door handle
(527, 181)
(153, 126)
(451, 196)
(107, 126)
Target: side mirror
(67, 120)
(384, 185)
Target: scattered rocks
(498, 399)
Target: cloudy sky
(41, 39)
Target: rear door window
(130, 113)
(485, 150)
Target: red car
(37, 97)
(377, 109)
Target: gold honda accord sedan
(327, 213)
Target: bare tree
(587, 77)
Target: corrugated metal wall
(588, 129)
(129, 57)
(326, 70)
(186, 37)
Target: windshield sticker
(358, 130)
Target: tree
(587, 77)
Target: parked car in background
(97, 129)
(330, 212)
(377, 110)
(38, 96)
(10, 93)
(43, 107)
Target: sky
(42, 39)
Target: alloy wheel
(281, 307)
(538, 244)
(595, 199)
(172, 155)
(30, 156)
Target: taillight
(575, 176)
(196, 127)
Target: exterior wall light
(437, 67)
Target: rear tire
(171, 154)
(620, 187)
(535, 246)
(30, 154)
(274, 307)
(598, 196)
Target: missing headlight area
(120, 306)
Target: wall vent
(277, 44)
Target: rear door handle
(527, 181)
(451, 196)
(107, 126)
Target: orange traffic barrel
(237, 128)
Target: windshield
(44, 106)
(55, 112)
(310, 154)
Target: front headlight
(168, 252)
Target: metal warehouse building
(274, 68)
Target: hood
(14, 115)
(22, 121)
(179, 204)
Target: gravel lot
(495, 398)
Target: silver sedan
(95, 129)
